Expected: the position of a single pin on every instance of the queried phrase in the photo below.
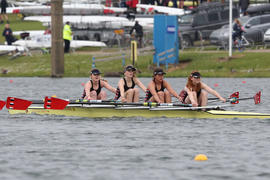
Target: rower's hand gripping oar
(233, 99)
(235, 94)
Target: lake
(68, 148)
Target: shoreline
(250, 63)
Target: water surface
(56, 147)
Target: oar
(56, 103)
(256, 98)
(234, 98)
(22, 104)
(17, 103)
(235, 94)
(2, 104)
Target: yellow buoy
(54, 96)
(200, 157)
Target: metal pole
(57, 50)
(123, 60)
(230, 30)
(93, 62)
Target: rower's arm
(87, 88)
(122, 90)
(109, 87)
(212, 91)
(140, 84)
(191, 95)
(151, 88)
(171, 90)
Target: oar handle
(37, 101)
(118, 103)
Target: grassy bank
(211, 64)
(17, 24)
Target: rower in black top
(149, 94)
(93, 88)
(98, 90)
(196, 92)
(126, 85)
(160, 90)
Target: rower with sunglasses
(159, 90)
(126, 86)
(92, 89)
(196, 92)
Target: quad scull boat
(108, 109)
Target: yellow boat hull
(108, 112)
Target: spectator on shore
(243, 4)
(139, 32)
(3, 16)
(67, 36)
(7, 33)
(181, 4)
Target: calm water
(53, 148)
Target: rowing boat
(109, 111)
(108, 108)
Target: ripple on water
(55, 147)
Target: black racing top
(98, 89)
(126, 87)
(148, 94)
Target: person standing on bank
(159, 90)
(243, 4)
(93, 88)
(196, 91)
(139, 32)
(67, 36)
(7, 33)
(4, 5)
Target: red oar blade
(55, 103)
(2, 104)
(257, 98)
(17, 103)
(234, 98)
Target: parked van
(203, 20)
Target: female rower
(157, 86)
(92, 89)
(195, 91)
(126, 85)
